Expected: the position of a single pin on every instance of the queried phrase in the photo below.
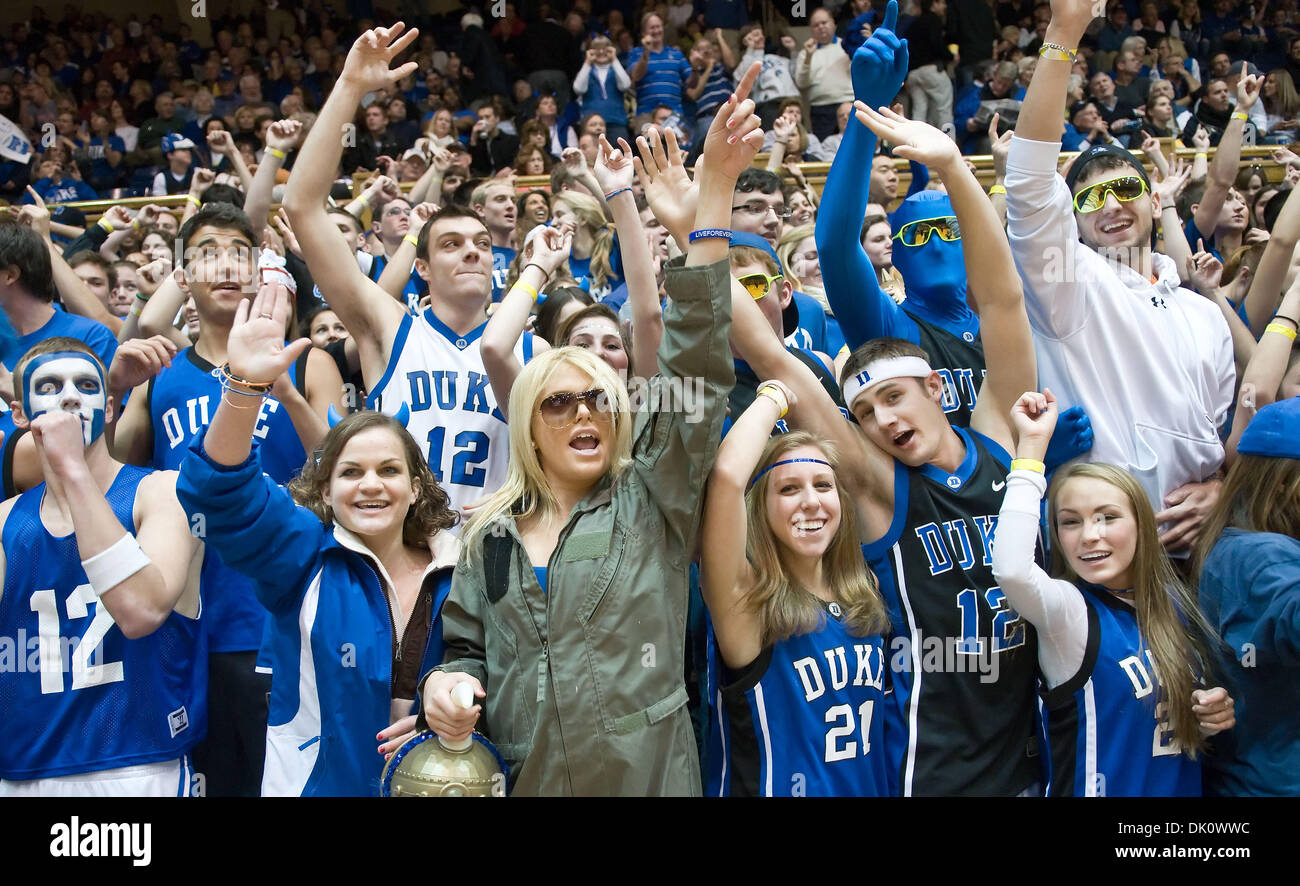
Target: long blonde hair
(785, 606)
(1261, 494)
(1169, 621)
(526, 490)
(591, 217)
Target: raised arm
(282, 137)
(72, 290)
(1261, 300)
(1004, 328)
(1227, 157)
(157, 555)
(431, 181)
(550, 250)
(1267, 367)
(614, 172)
(370, 315)
(1055, 608)
(221, 143)
(725, 575)
(397, 272)
(863, 309)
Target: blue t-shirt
(502, 256)
(98, 150)
(92, 332)
(64, 190)
(717, 89)
(666, 73)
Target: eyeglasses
(560, 410)
(918, 233)
(1126, 188)
(759, 285)
(756, 208)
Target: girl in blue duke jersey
(796, 616)
(1120, 640)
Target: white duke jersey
(439, 377)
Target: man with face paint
(98, 568)
(927, 495)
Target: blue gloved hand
(879, 67)
(1072, 438)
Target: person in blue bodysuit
(927, 252)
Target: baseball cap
(1274, 432)
(790, 313)
(1083, 160)
(174, 141)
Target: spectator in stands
(822, 72)
(1159, 118)
(175, 179)
(600, 85)
(1130, 87)
(928, 87)
(550, 54)
(559, 134)
(1120, 117)
(1116, 29)
(532, 161)
(372, 141)
(490, 148)
(712, 83)
(104, 154)
(164, 121)
(775, 80)
(1281, 107)
(831, 143)
(660, 72)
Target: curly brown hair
(430, 513)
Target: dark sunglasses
(1126, 188)
(561, 410)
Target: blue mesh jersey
(502, 256)
(1109, 724)
(806, 719)
(78, 696)
(963, 721)
(959, 360)
(182, 400)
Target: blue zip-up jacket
(331, 643)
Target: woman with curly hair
(353, 561)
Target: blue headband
(788, 461)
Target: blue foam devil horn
(332, 416)
(403, 415)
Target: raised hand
(551, 249)
(389, 189)
(668, 188)
(1201, 139)
(202, 180)
(1169, 187)
(151, 276)
(1204, 270)
(1248, 89)
(441, 160)
(1034, 416)
(139, 359)
(420, 214)
(999, 147)
(368, 65)
(787, 42)
(573, 160)
(735, 134)
(118, 216)
(914, 140)
(614, 167)
(879, 67)
(784, 129)
(281, 222)
(220, 142)
(256, 348)
(284, 135)
(1214, 710)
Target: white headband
(883, 370)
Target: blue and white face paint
(66, 381)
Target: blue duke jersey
(1109, 725)
(439, 376)
(78, 696)
(963, 715)
(806, 719)
(182, 400)
(502, 256)
(959, 360)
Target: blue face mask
(935, 272)
(66, 381)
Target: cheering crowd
(703, 481)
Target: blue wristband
(612, 194)
(710, 234)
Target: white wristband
(108, 569)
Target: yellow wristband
(412, 239)
(276, 153)
(135, 223)
(998, 189)
(1281, 330)
(193, 199)
(1240, 115)
(520, 284)
(105, 224)
(1201, 155)
(1028, 464)
(775, 394)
